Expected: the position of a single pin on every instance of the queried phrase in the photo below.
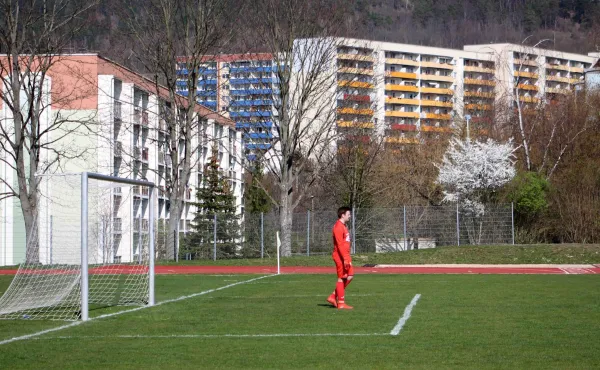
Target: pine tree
(214, 197)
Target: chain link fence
(376, 230)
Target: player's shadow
(325, 305)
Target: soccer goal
(91, 246)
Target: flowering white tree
(471, 171)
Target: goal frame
(85, 177)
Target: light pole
(468, 118)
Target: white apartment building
(411, 92)
(129, 142)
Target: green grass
(493, 254)
(461, 322)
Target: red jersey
(341, 241)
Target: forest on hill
(566, 25)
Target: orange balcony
(558, 79)
(560, 67)
(480, 94)
(436, 129)
(359, 57)
(478, 106)
(527, 87)
(575, 80)
(355, 124)
(356, 71)
(479, 69)
(436, 78)
(436, 103)
(529, 99)
(403, 127)
(402, 140)
(445, 117)
(524, 62)
(363, 112)
(474, 81)
(393, 87)
(435, 90)
(402, 75)
(437, 65)
(526, 74)
(357, 84)
(397, 113)
(402, 101)
(576, 69)
(406, 62)
(552, 90)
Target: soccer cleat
(331, 299)
(343, 306)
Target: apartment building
(130, 141)
(535, 75)
(242, 87)
(410, 92)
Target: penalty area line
(77, 323)
(407, 311)
(183, 336)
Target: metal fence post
(457, 226)
(262, 235)
(353, 231)
(308, 233)
(215, 238)
(512, 221)
(405, 234)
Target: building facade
(129, 140)
(409, 92)
(241, 87)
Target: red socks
(347, 282)
(339, 291)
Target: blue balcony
(207, 82)
(251, 157)
(250, 114)
(206, 93)
(243, 81)
(209, 104)
(258, 135)
(258, 146)
(253, 92)
(204, 72)
(251, 125)
(250, 103)
(250, 69)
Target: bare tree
(175, 44)
(298, 35)
(35, 134)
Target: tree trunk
(285, 222)
(29, 208)
(173, 229)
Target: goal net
(89, 247)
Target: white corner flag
(278, 247)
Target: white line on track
(396, 330)
(220, 336)
(76, 323)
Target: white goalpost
(92, 245)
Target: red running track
(490, 269)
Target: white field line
(76, 323)
(296, 296)
(277, 335)
(396, 330)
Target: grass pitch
(460, 321)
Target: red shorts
(342, 273)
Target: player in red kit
(342, 259)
